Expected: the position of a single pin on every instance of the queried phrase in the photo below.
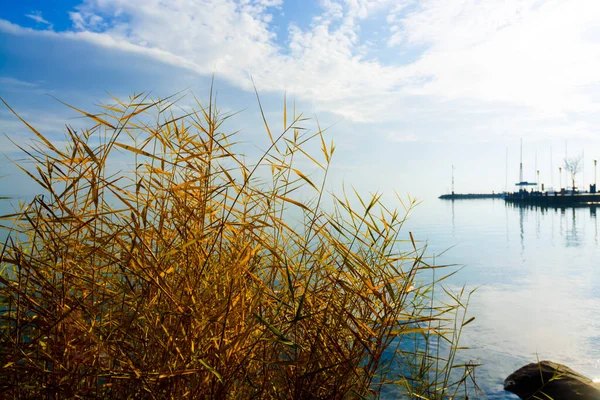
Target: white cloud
(8, 81)
(37, 17)
(234, 39)
(401, 137)
(106, 41)
(534, 59)
(525, 52)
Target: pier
(534, 193)
(471, 196)
(559, 199)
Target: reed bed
(188, 276)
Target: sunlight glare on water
(537, 277)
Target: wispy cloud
(323, 63)
(8, 81)
(539, 54)
(537, 59)
(401, 137)
(37, 17)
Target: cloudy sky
(409, 87)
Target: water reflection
(595, 222)
(568, 219)
(522, 230)
(538, 279)
(453, 225)
(572, 236)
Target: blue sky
(410, 87)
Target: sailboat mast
(521, 164)
(452, 179)
(537, 172)
(551, 170)
(506, 172)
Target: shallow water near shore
(537, 273)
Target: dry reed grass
(184, 277)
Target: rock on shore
(551, 380)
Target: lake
(538, 277)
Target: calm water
(538, 278)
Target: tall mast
(452, 179)
(521, 164)
(506, 172)
(537, 171)
(551, 170)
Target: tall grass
(188, 275)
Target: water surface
(538, 276)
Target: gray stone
(549, 380)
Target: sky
(408, 88)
